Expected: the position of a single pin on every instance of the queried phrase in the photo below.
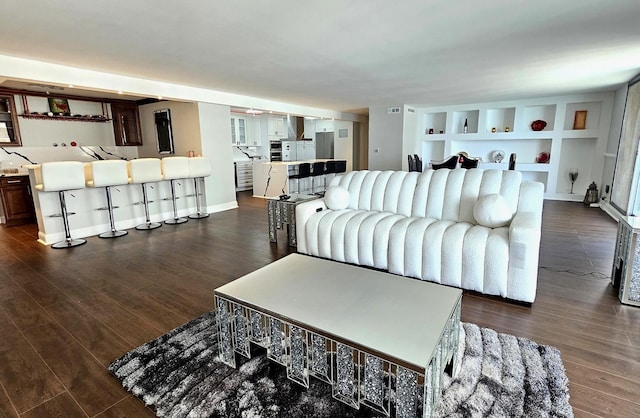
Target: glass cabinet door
(9, 132)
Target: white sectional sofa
(473, 229)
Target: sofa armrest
(304, 211)
(525, 227)
(524, 250)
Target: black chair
(318, 170)
(449, 162)
(412, 163)
(341, 166)
(418, 163)
(304, 171)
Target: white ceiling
(341, 55)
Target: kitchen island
(271, 179)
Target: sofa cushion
(336, 198)
(492, 211)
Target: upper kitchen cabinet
(276, 128)
(245, 131)
(238, 131)
(9, 132)
(126, 124)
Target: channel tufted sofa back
(438, 194)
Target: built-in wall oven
(275, 150)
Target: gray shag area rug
(177, 375)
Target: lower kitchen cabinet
(244, 175)
(16, 199)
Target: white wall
(215, 137)
(409, 143)
(343, 147)
(385, 139)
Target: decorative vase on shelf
(538, 125)
(573, 176)
(465, 128)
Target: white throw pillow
(492, 211)
(336, 198)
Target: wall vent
(395, 109)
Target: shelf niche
(436, 121)
(526, 149)
(546, 113)
(471, 116)
(593, 114)
(500, 119)
(580, 154)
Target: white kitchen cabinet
(276, 128)
(238, 130)
(254, 133)
(305, 150)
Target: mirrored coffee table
(379, 339)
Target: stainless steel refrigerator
(324, 145)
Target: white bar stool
(107, 173)
(143, 171)
(173, 169)
(61, 176)
(199, 168)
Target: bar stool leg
(176, 219)
(68, 242)
(198, 214)
(148, 224)
(113, 233)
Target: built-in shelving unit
(103, 117)
(507, 126)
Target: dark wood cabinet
(17, 202)
(9, 132)
(126, 124)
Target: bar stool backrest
(318, 168)
(145, 170)
(61, 175)
(304, 170)
(107, 173)
(175, 168)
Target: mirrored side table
(625, 274)
(282, 212)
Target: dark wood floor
(66, 314)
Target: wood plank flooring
(65, 314)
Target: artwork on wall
(59, 105)
(625, 188)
